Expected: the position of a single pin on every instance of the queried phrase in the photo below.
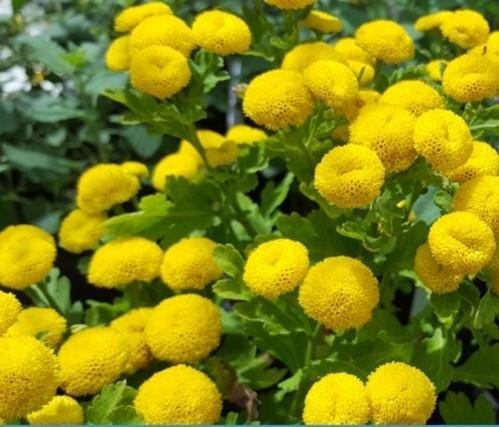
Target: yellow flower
(461, 242)
(339, 292)
(400, 394)
(363, 72)
(490, 49)
(435, 69)
(386, 129)
(364, 97)
(103, 186)
(436, 277)
(278, 99)
(219, 150)
(179, 395)
(484, 160)
(10, 307)
(124, 261)
(29, 376)
(91, 359)
(414, 95)
(81, 231)
(443, 139)
(494, 274)
(184, 329)
(349, 48)
(39, 322)
(245, 135)
(432, 20)
(159, 71)
(385, 40)
(133, 321)
(60, 410)
(163, 30)
(336, 399)
(137, 169)
(323, 22)
(290, 4)
(466, 28)
(303, 55)
(27, 254)
(130, 17)
(331, 82)
(176, 164)
(221, 33)
(276, 268)
(118, 55)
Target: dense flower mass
(81, 231)
(432, 20)
(10, 307)
(466, 28)
(484, 160)
(60, 410)
(245, 135)
(290, 4)
(130, 17)
(303, 55)
(323, 22)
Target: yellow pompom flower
(137, 169)
(493, 270)
(176, 164)
(432, 20)
(60, 410)
(103, 186)
(484, 160)
(81, 231)
(159, 71)
(91, 359)
(290, 4)
(349, 48)
(245, 135)
(331, 82)
(278, 99)
(303, 55)
(386, 129)
(351, 111)
(124, 261)
(443, 139)
(490, 49)
(276, 268)
(363, 72)
(339, 292)
(130, 17)
(323, 22)
(118, 55)
(184, 329)
(219, 150)
(385, 40)
(179, 395)
(39, 322)
(10, 307)
(436, 277)
(400, 394)
(189, 264)
(27, 254)
(221, 33)
(466, 28)
(461, 242)
(337, 399)
(350, 176)
(29, 376)
(414, 95)
(435, 69)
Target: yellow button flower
(219, 150)
(432, 20)
(400, 394)
(130, 17)
(363, 72)
(60, 410)
(337, 399)
(245, 135)
(290, 4)
(179, 395)
(176, 164)
(490, 49)
(339, 292)
(351, 111)
(184, 329)
(349, 48)
(303, 55)
(323, 22)
(466, 28)
(10, 307)
(276, 268)
(443, 139)
(435, 69)
(124, 261)
(81, 231)
(29, 376)
(118, 55)
(27, 254)
(350, 176)
(484, 160)
(137, 169)
(493, 270)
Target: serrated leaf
(229, 260)
(232, 289)
(273, 196)
(487, 311)
(47, 52)
(480, 368)
(457, 409)
(143, 143)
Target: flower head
(176, 164)
(323, 22)
(484, 160)
(245, 135)
(60, 410)
(10, 307)
(362, 71)
(290, 4)
(118, 55)
(303, 55)
(137, 169)
(81, 231)
(466, 28)
(435, 69)
(219, 150)
(130, 17)
(490, 48)
(349, 48)
(494, 274)
(432, 20)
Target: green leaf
(232, 289)
(144, 144)
(104, 81)
(446, 306)
(101, 313)
(46, 51)
(273, 196)
(480, 368)
(229, 260)
(487, 311)
(47, 109)
(457, 409)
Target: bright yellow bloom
(435, 276)
(278, 99)
(159, 71)
(124, 261)
(435, 69)
(349, 48)
(386, 129)
(323, 22)
(339, 292)
(484, 160)
(385, 40)
(364, 97)
(363, 72)
(303, 55)
(414, 95)
(29, 376)
(350, 176)
(443, 139)
(81, 231)
(432, 20)
(276, 268)
(91, 359)
(466, 28)
(493, 270)
(490, 49)
(337, 399)
(245, 135)
(400, 394)
(461, 242)
(118, 55)
(39, 322)
(221, 33)
(137, 169)
(27, 254)
(10, 307)
(103, 186)
(60, 410)
(130, 17)
(179, 395)
(290, 4)
(331, 82)
(184, 329)
(219, 150)
(133, 321)
(176, 164)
